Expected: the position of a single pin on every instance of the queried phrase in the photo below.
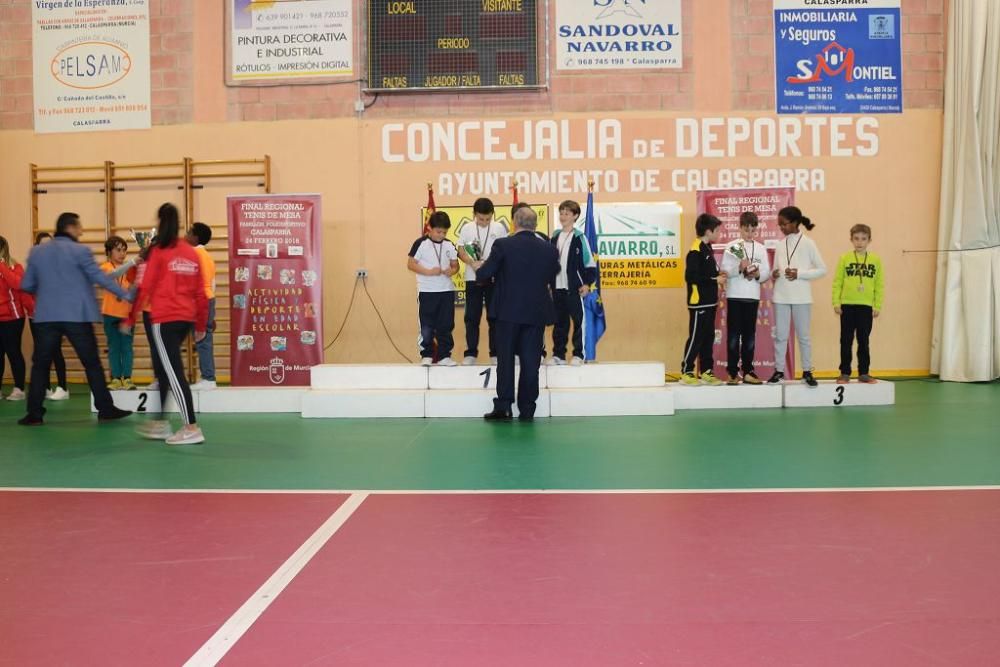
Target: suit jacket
(62, 274)
(525, 269)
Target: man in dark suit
(61, 274)
(525, 268)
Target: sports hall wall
(881, 170)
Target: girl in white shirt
(797, 263)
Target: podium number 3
(839, 397)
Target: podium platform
(341, 391)
(831, 394)
(144, 401)
(387, 391)
(742, 396)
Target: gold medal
(861, 288)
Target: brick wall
(171, 45)
(752, 41)
(578, 91)
(923, 37)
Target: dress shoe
(113, 415)
(498, 416)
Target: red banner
(727, 206)
(275, 289)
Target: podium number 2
(840, 396)
(142, 402)
(486, 383)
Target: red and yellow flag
(430, 208)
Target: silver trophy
(142, 239)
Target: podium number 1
(486, 383)
(839, 397)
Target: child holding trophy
(475, 241)
(745, 263)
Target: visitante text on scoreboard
(447, 44)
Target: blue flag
(594, 322)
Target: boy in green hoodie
(858, 287)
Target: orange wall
(371, 207)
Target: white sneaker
(493, 361)
(15, 395)
(469, 361)
(59, 394)
(155, 429)
(426, 361)
(204, 385)
(153, 386)
(447, 361)
(189, 435)
(556, 361)
(551, 361)
(577, 361)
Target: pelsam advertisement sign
(91, 65)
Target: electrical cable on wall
(378, 313)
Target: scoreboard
(452, 44)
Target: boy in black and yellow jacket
(702, 275)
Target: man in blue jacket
(61, 275)
(525, 269)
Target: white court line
(491, 492)
(223, 640)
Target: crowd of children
(858, 288)
(744, 268)
(858, 292)
(172, 283)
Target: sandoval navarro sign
(618, 34)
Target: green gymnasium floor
(938, 434)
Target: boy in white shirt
(475, 242)
(435, 260)
(745, 262)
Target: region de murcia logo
(832, 61)
(277, 370)
(612, 7)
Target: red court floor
(803, 578)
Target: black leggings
(167, 340)
(10, 348)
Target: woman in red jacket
(176, 292)
(12, 314)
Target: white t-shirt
(485, 236)
(739, 286)
(430, 254)
(797, 251)
(563, 243)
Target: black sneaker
(808, 378)
(776, 378)
(113, 415)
